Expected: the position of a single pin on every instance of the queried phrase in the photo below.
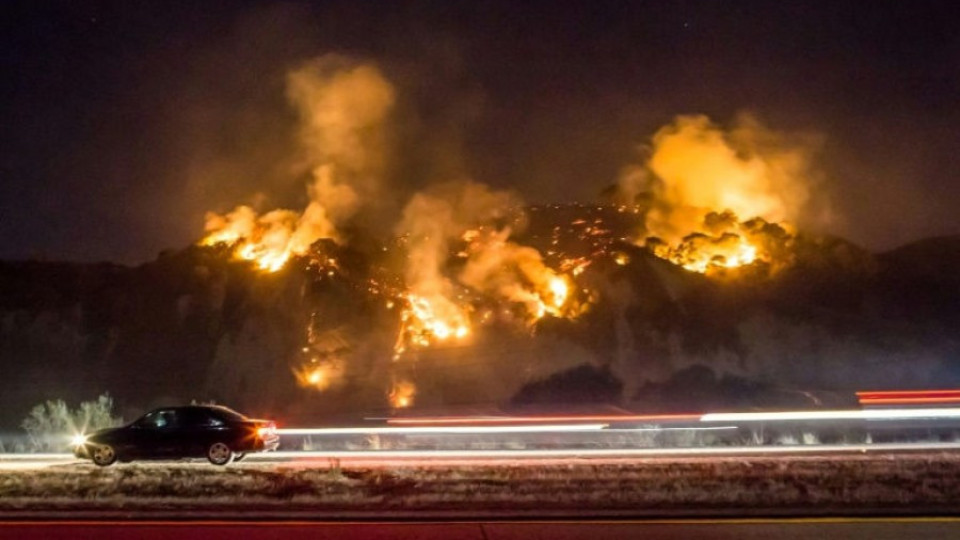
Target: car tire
(238, 457)
(219, 454)
(104, 455)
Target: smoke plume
(431, 221)
(343, 108)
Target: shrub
(50, 425)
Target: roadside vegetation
(902, 483)
(50, 425)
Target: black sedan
(217, 433)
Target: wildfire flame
(401, 396)
(516, 273)
(425, 321)
(268, 240)
(319, 376)
(701, 180)
(727, 243)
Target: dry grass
(925, 481)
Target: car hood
(103, 435)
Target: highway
(440, 458)
(719, 529)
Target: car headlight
(78, 440)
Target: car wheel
(238, 457)
(219, 454)
(104, 455)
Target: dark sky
(123, 122)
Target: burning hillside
(452, 268)
(466, 294)
(706, 200)
(198, 324)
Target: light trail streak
(907, 401)
(873, 414)
(540, 419)
(713, 428)
(624, 453)
(908, 397)
(440, 429)
(534, 457)
(908, 394)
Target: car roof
(197, 407)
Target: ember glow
(319, 375)
(426, 321)
(401, 396)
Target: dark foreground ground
(836, 529)
(870, 484)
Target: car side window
(201, 418)
(159, 420)
(167, 420)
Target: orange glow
(402, 394)
(319, 376)
(268, 240)
(425, 321)
(702, 253)
(503, 269)
(722, 197)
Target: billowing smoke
(512, 272)
(343, 108)
(707, 190)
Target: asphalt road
(442, 458)
(759, 529)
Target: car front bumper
(267, 445)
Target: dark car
(217, 433)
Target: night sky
(124, 122)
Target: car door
(161, 434)
(201, 429)
(146, 436)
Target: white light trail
(413, 420)
(712, 428)
(871, 414)
(437, 429)
(18, 460)
(613, 453)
